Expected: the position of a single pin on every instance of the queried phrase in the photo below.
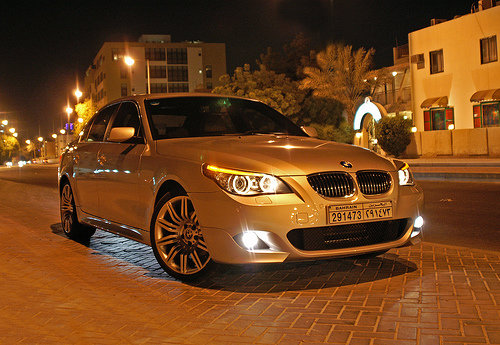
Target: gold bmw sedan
(206, 178)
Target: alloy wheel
(178, 238)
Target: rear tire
(70, 224)
(176, 239)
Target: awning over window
(486, 95)
(435, 102)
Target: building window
(177, 56)
(209, 85)
(155, 54)
(178, 87)
(158, 87)
(124, 90)
(177, 73)
(490, 112)
(157, 71)
(437, 62)
(489, 49)
(208, 71)
(117, 53)
(436, 119)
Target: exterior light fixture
(78, 94)
(5, 122)
(359, 135)
(451, 127)
(28, 142)
(40, 139)
(12, 130)
(80, 120)
(62, 131)
(414, 129)
(69, 110)
(15, 135)
(128, 60)
(374, 78)
(54, 136)
(394, 73)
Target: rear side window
(100, 123)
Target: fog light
(419, 222)
(249, 239)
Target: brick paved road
(111, 290)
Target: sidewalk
(456, 169)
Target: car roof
(143, 97)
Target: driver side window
(128, 116)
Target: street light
(80, 120)
(54, 136)
(14, 135)
(12, 130)
(5, 122)
(78, 94)
(62, 131)
(129, 61)
(40, 139)
(28, 142)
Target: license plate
(337, 214)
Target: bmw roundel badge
(346, 164)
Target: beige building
(456, 73)
(171, 66)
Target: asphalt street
(456, 213)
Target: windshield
(186, 117)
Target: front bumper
(223, 216)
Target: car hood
(273, 154)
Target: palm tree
(342, 75)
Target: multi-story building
(159, 66)
(455, 82)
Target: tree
(393, 133)
(341, 74)
(291, 61)
(9, 147)
(275, 90)
(84, 110)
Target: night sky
(46, 46)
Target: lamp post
(129, 61)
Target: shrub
(393, 134)
(344, 133)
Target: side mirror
(310, 131)
(121, 134)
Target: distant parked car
(207, 178)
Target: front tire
(177, 240)
(70, 224)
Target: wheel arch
(169, 186)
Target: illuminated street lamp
(28, 142)
(80, 120)
(54, 136)
(40, 139)
(129, 61)
(14, 135)
(78, 94)
(12, 130)
(5, 122)
(62, 131)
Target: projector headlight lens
(245, 183)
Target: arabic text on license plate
(358, 212)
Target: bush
(393, 134)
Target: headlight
(405, 175)
(245, 183)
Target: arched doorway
(365, 118)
